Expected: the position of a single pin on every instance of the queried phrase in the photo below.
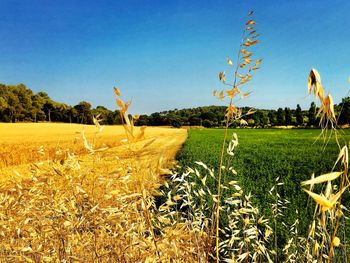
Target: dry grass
(92, 207)
(23, 143)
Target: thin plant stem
(275, 219)
(217, 212)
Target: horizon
(167, 54)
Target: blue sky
(167, 54)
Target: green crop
(263, 155)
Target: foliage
(299, 116)
(281, 119)
(212, 116)
(344, 109)
(312, 114)
(18, 103)
(287, 116)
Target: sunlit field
(292, 155)
(23, 144)
(30, 142)
(221, 183)
(84, 204)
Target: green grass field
(263, 155)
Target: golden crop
(23, 143)
(82, 207)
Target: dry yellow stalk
(322, 178)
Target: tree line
(20, 104)
(213, 116)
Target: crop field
(88, 204)
(30, 142)
(99, 204)
(219, 183)
(262, 156)
(25, 143)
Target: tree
(272, 118)
(312, 114)
(142, 121)
(103, 112)
(176, 123)
(3, 104)
(207, 123)
(264, 119)
(114, 118)
(156, 119)
(60, 112)
(288, 116)
(84, 114)
(299, 116)
(210, 116)
(14, 107)
(257, 117)
(38, 101)
(251, 122)
(195, 121)
(25, 100)
(280, 116)
(48, 107)
(72, 114)
(3, 108)
(344, 107)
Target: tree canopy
(19, 104)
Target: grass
(261, 157)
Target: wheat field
(29, 142)
(23, 144)
(83, 206)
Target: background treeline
(213, 116)
(18, 103)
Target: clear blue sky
(167, 54)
